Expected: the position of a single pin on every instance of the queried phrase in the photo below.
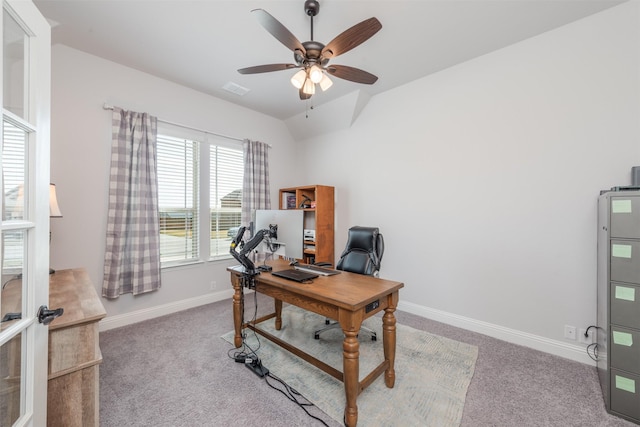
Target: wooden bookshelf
(317, 202)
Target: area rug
(432, 372)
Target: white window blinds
(200, 194)
(178, 199)
(225, 196)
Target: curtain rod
(110, 107)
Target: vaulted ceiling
(201, 44)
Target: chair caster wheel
(327, 321)
(374, 338)
(316, 336)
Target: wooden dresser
(74, 351)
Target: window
(225, 196)
(199, 183)
(178, 199)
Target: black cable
(16, 277)
(246, 351)
(593, 347)
(293, 395)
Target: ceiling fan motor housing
(313, 50)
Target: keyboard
(323, 271)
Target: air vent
(235, 88)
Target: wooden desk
(346, 297)
(74, 351)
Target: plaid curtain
(255, 185)
(132, 256)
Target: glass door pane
(10, 381)
(15, 45)
(14, 172)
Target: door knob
(46, 316)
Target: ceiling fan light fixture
(312, 57)
(298, 79)
(309, 87)
(325, 83)
(315, 74)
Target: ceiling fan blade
(303, 95)
(277, 30)
(352, 74)
(266, 68)
(351, 38)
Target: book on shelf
(288, 200)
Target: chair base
(316, 335)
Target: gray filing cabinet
(618, 332)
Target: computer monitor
(289, 241)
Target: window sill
(189, 264)
(176, 265)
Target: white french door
(24, 227)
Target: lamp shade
(315, 74)
(325, 83)
(54, 210)
(309, 87)
(298, 79)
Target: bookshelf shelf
(317, 202)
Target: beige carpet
(432, 372)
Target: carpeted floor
(175, 371)
(432, 372)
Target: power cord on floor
(294, 396)
(249, 357)
(246, 354)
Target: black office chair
(362, 255)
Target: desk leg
(278, 309)
(351, 365)
(389, 339)
(237, 309)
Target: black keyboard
(323, 271)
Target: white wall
(484, 178)
(80, 156)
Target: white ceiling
(201, 44)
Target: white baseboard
(117, 321)
(558, 348)
(574, 352)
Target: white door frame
(35, 293)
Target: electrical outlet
(586, 339)
(570, 332)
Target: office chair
(362, 255)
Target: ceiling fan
(312, 57)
